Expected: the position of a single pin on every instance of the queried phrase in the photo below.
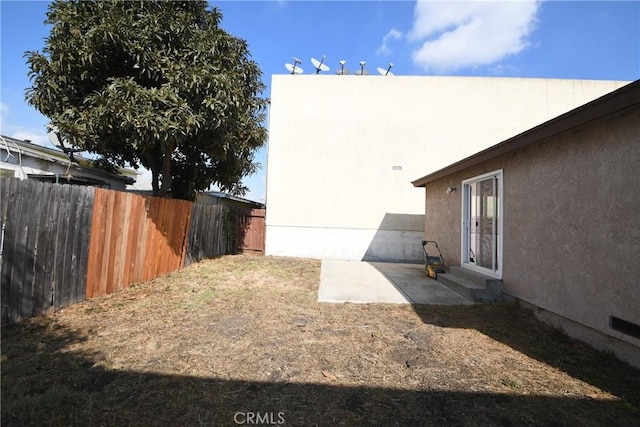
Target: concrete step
(474, 286)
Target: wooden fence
(62, 244)
(45, 246)
(134, 239)
(251, 231)
(211, 232)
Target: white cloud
(455, 35)
(501, 69)
(35, 135)
(393, 34)
(4, 113)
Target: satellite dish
(362, 71)
(320, 66)
(386, 72)
(293, 68)
(57, 142)
(342, 71)
(53, 137)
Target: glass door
(481, 222)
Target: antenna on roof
(342, 71)
(293, 68)
(386, 72)
(320, 66)
(362, 71)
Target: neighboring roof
(66, 179)
(220, 195)
(57, 156)
(215, 195)
(618, 100)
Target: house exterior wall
(26, 166)
(343, 150)
(571, 234)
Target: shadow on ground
(548, 345)
(46, 382)
(518, 328)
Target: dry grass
(244, 334)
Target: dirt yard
(241, 340)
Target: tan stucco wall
(571, 222)
(344, 149)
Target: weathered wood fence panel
(251, 231)
(210, 232)
(134, 239)
(45, 242)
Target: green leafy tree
(157, 84)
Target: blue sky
(550, 39)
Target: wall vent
(625, 327)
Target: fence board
(61, 249)
(32, 222)
(142, 233)
(25, 254)
(78, 244)
(96, 236)
(106, 243)
(42, 298)
(19, 255)
(114, 257)
(149, 266)
(16, 242)
(152, 235)
(48, 262)
(5, 278)
(129, 232)
(12, 256)
(84, 230)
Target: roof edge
(84, 164)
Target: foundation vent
(624, 327)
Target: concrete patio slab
(371, 282)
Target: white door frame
(466, 227)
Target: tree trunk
(154, 166)
(167, 179)
(154, 182)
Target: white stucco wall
(344, 149)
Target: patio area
(382, 282)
